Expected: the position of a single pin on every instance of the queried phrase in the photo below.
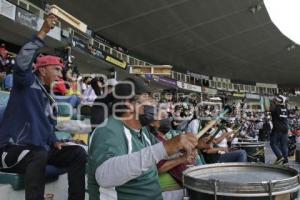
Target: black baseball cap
(130, 87)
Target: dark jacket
(27, 118)
(280, 119)
(101, 109)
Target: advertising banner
(253, 96)
(167, 81)
(198, 76)
(77, 42)
(241, 95)
(26, 18)
(115, 61)
(7, 9)
(162, 80)
(210, 91)
(187, 86)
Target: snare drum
(255, 150)
(247, 140)
(241, 181)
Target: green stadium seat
(65, 110)
(63, 135)
(4, 96)
(17, 180)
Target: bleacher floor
(270, 157)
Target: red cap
(43, 61)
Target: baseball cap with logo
(43, 61)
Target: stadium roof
(226, 38)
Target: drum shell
(194, 195)
(203, 188)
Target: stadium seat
(4, 96)
(60, 135)
(17, 180)
(65, 110)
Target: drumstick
(206, 128)
(235, 132)
(215, 134)
(213, 122)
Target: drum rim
(249, 144)
(252, 139)
(245, 194)
(282, 186)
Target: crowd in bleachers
(6, 63)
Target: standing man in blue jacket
(27, 139)
(279, 134)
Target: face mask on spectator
(148, 116)
(165, 126)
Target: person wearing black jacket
(101, 108)
(279, 134)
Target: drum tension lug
(270, 188)
(215, 182)
(185, 195)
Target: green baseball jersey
(113, 140)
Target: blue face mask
(148, 116)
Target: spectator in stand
(8, 80)
(102, 106)
(97, 84)
(71, 77)
(219, 151)
(64, 89)
(170, 171)
(3, 56)
(29, 144)
(176, 116)
(194, 125)
(88, 95)
(60, 88)
(87, 98)
(6, 64)
(123, 154)
(279, 135)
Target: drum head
(241, 179)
